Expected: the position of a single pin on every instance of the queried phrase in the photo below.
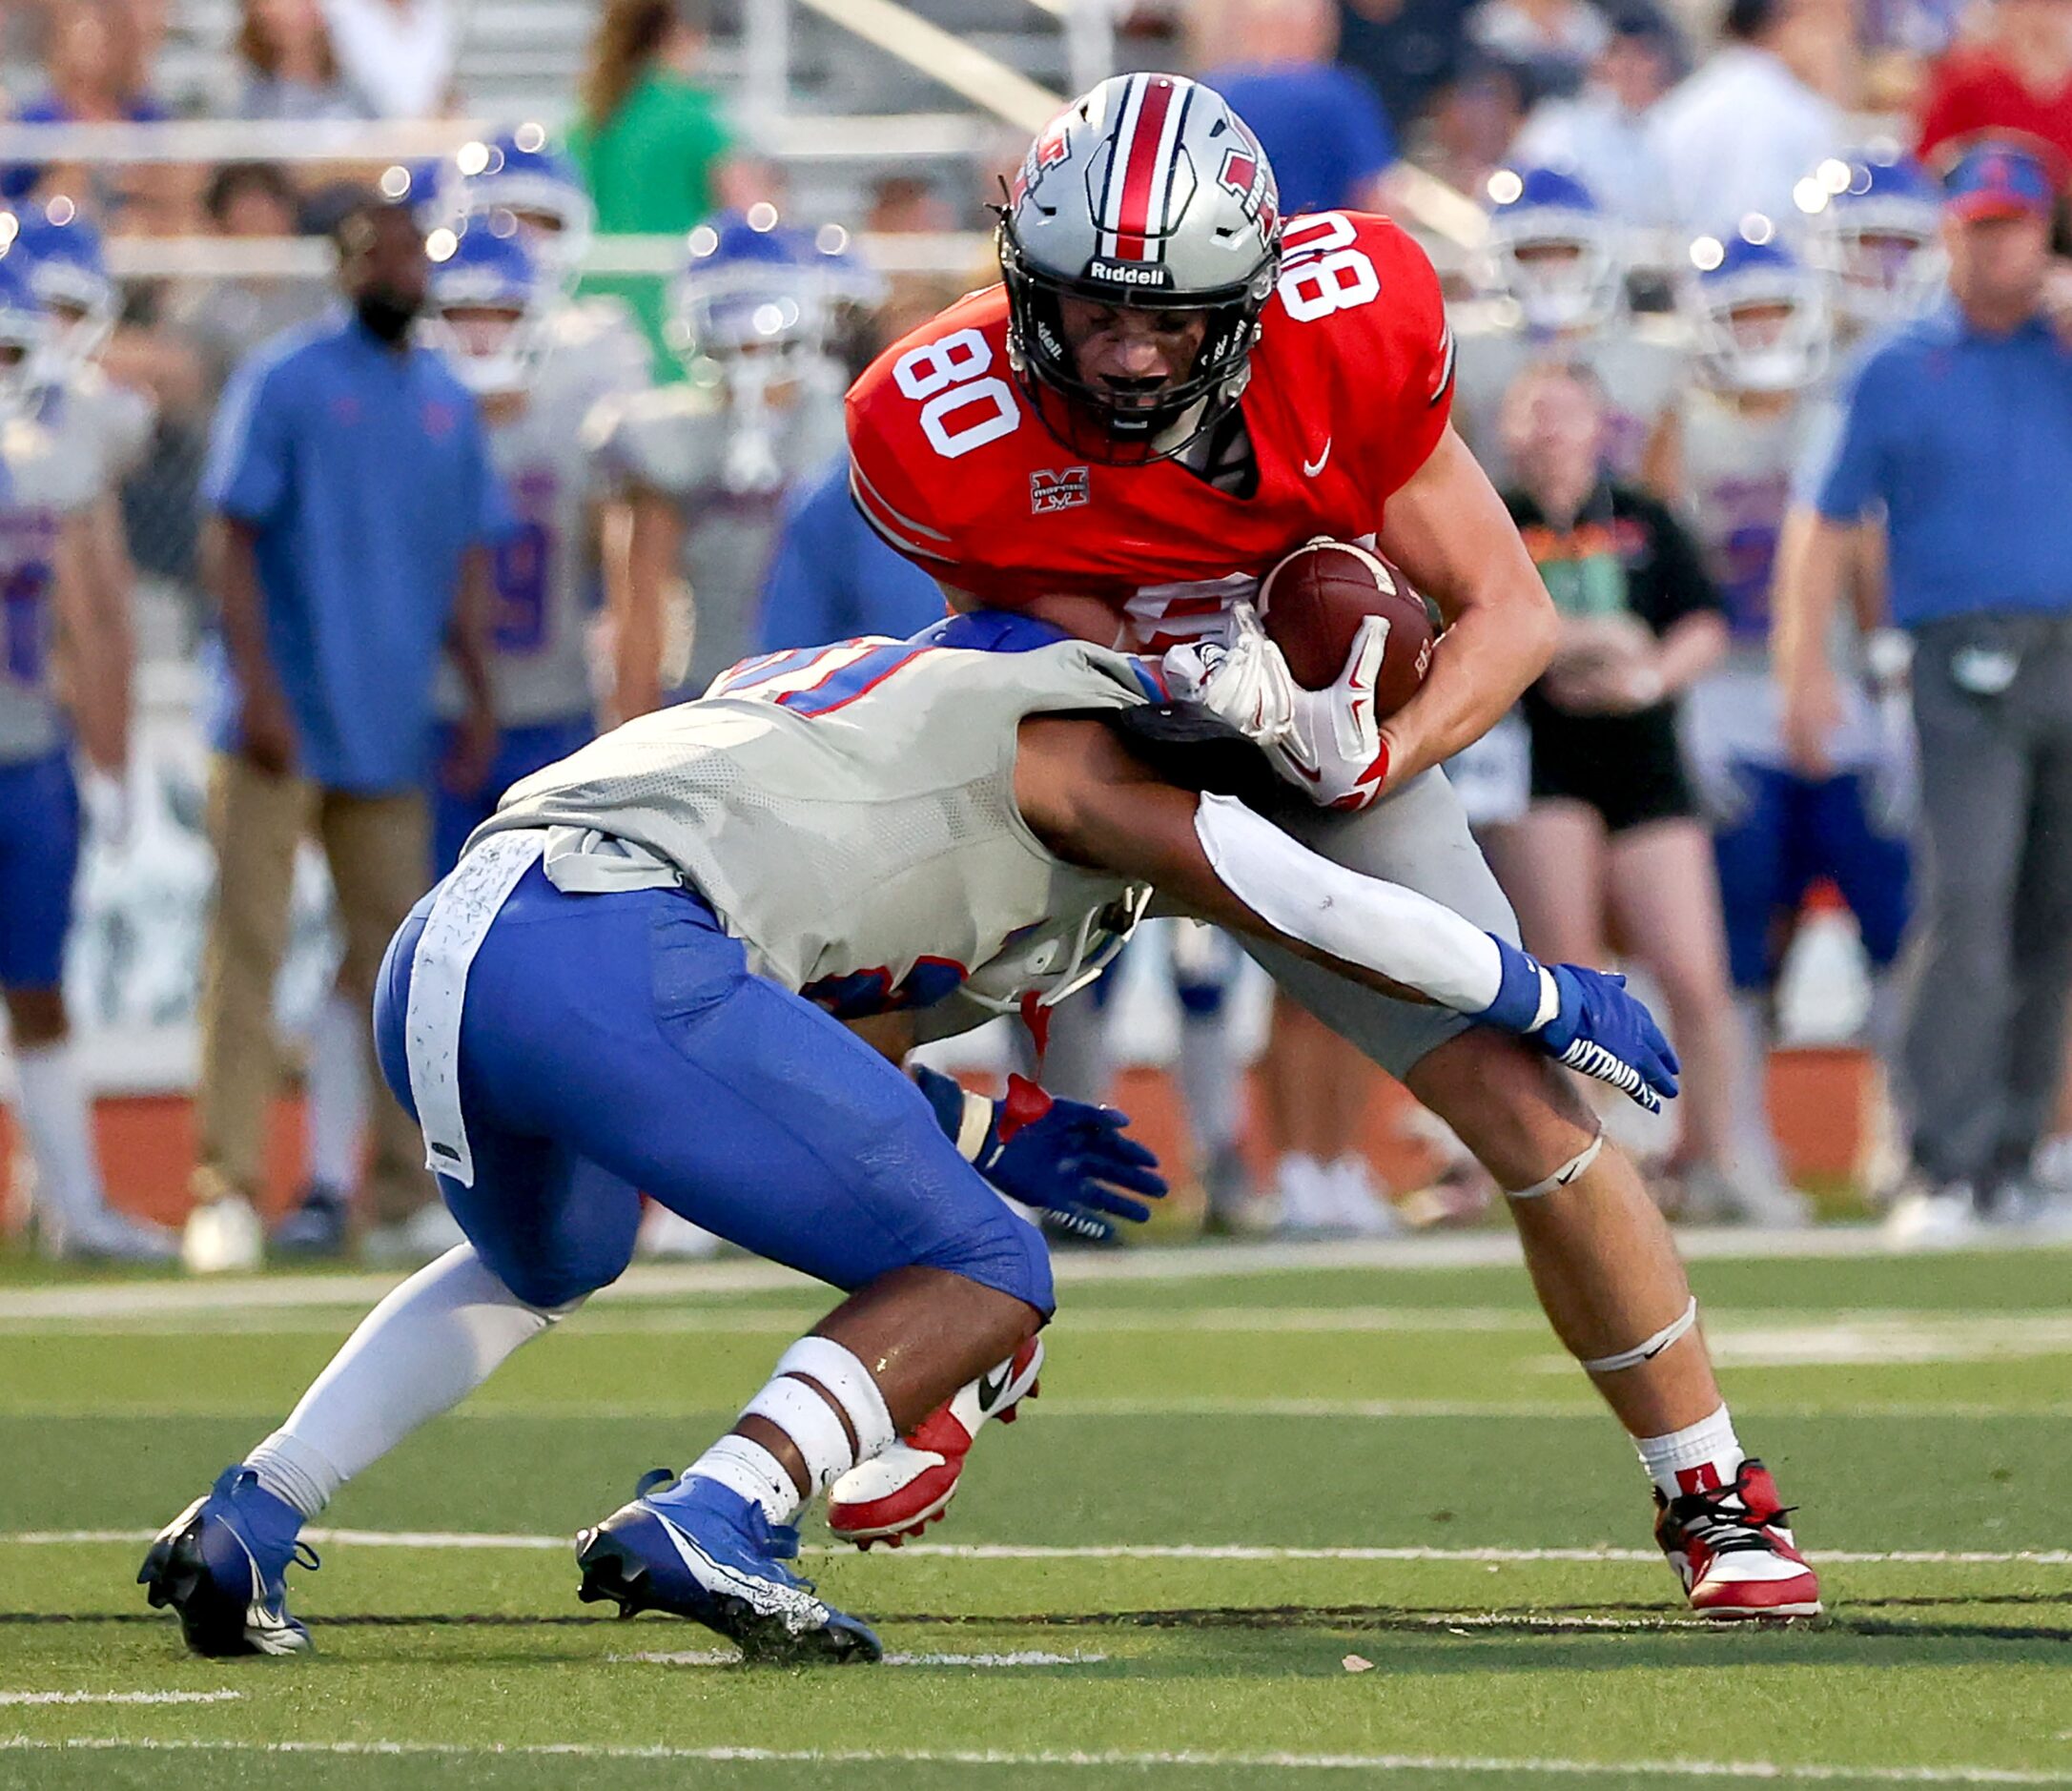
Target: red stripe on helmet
(1140, 169)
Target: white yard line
(119, 1697)
(1606, 1555)
(1141, 1761)
(724, 1658)
(1185, 1263)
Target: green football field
(1270, 1523)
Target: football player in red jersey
(1170, 389)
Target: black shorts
(1626, 767)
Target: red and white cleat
(1732, 1550)
(899, 1494)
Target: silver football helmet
(1147, 191)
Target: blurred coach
(1959, 429)
(350, 494)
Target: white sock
(59, 1126)
(751, 1471)
(290, 1470)
(423, 1350)
(335, 1087)
(1210, 1081)
(1695, 1458)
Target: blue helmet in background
(61, 252)
(485, 309)
(26, 335)
(516, 174)
(1551, 251)
(1872, 231)
(1758, 314)
(750, 284)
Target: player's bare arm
(96, 639)
(1815, 558)
(642, 537)
(1450, 531)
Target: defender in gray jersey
(1764, 335)
(540, 366)
(699, 470)
(625, 985)
(53, 610)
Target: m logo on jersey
(1064, 489)
(1244, 173)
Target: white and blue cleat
(700, 1550)
(222, 1566)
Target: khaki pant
(377, 849)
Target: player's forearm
(101, 650)
(1814, 560)
(1490, 655)
(643, 540)
(467, 630)
(229, 572)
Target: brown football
(1312, 605)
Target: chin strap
(1653, 1346)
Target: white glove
(105, 798)
(1244, 680)
(1333, 750)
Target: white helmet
(1551, 251)
(1872, 228)
(1738, 349)
(1148, 192)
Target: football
(1312, 605)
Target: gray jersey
(730, 473)
(49, 472)
(115, 421)
(850, 813)
(1641, 377)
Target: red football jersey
(1351, 384)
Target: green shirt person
(649, 139)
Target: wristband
(1527, 994)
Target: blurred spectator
(1739, 134)
(1407, 49)
(1317, 1090)
(907, 205)
(351, 496)
(1473, 121)
(2019, 79)
(832, 577)
(1321, 125)
(1612, 847)
(225, 320)
(396, 58)
(1551, 42)
(290, 70)
(1959, 430)
(1601, 135)
(648, 136)
(94, 74)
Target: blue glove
(1069, 1158)
(1596, 1027)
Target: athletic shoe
(425, 1237)
(700, 1550)
(1306, 1198)
(103, 1235)
(315, 1228)
(222, 1566)
(1933, 1219)
(1362, 1209)
(899, 1493)
(668, 1237)
(223, 1237)
(1732, 1552)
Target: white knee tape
(1646, 1351)
(814, 1425)
(1563, 1176)
(850, 1382)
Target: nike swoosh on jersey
(1312, 468)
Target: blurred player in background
(1553, 288)
(1764, 342)
(1170, 392)
(65, 660)
(699, 470)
